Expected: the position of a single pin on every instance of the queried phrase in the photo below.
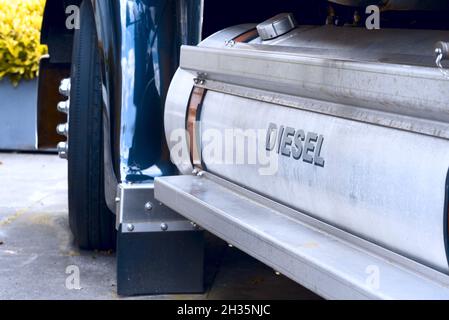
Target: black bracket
(158, 251)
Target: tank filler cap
(276, 26)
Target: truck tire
(91, 222)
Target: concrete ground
(36, 246)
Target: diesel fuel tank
(346, 125)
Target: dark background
(222, 14)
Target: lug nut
(64, 106)
(63, 129)
(64, 87)
(63, 150)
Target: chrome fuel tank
(350, 130)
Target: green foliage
(20, 48)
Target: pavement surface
(37, 254)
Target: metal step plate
(326, 260)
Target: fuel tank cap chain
(442, 53)
(276, 26)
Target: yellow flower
(20, 48)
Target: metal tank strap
(194, 109)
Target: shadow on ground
(36, 247)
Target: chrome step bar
(324, 259)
